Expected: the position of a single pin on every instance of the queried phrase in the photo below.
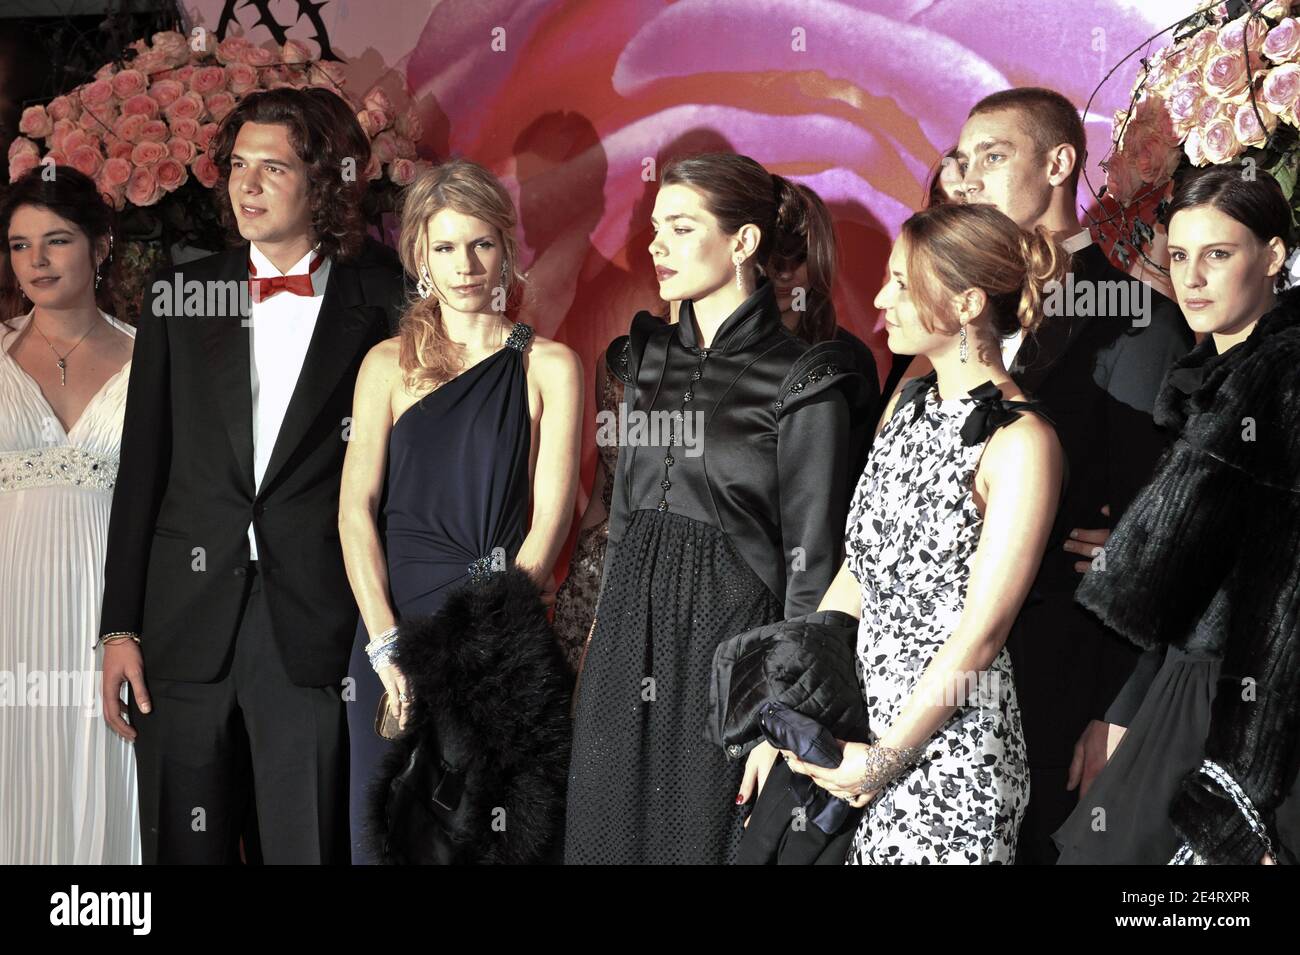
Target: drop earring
(424, 287)
(98, 277)
(962, 351)
(740, 278)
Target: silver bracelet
(884, 763)
(381, 648)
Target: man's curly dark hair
(324, 133)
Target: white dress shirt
(279, 332)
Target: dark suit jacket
(1099, 377)
(177, 538)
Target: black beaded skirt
(645, 786)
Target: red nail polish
(739, 799)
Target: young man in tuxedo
(1097, 362)
(226, 608)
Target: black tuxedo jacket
(178, 534)
(1098, 375)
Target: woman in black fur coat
(1204, 569)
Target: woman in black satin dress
(731, 520)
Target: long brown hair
(69, 195)
(326, 136)
(429, 358)
(954, 247)
(809, 237)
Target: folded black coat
(479, 775)
(806, 663)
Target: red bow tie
(264, 288)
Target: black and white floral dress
(912, 532)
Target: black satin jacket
(770, 467)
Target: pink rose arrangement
(143, 130)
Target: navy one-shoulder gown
(456, 505)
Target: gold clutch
(385, 722)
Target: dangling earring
(961, 346)
(98, 277)
(505, 276)
(740, 278)
(424, 287)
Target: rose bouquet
(1226, 90)
(142, 129)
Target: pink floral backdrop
(576, 103)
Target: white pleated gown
(67, 782)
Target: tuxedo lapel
(227, 343)
(341, 328)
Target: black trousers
(213, 757)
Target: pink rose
(22, 146)
(1202, 44)
(63, 107)
(257, 56)
(206, 132)
(1248, 128)
(36, 122)
(113, 195)
(116, 171)
(78, 137)
(171, 174)
(188, 106)
(62, 129)
(208, 80)
(154, 131)
(55, 157)
(1192, 147)
(1225, 77)
(166, 92)
(229, 50)
(1122, 180)
(385, 147)
(141, 103)
(372, 121)
(182, 74)
(1156, 160)
(147, 153)
(374, 169)
(220, 104)
(86, 159)
(1230, 36)
(205, 170)
(129, 128)
(121, 149)
(402, 172)
(1283, 41)
(106, 71)
(22, 165)
(240, 78)
(98, 119)
(334, 74)
(409, 127)
(405, 148)
(378, 99)
(128, 83)
(1219, 142)
(186, 129)
(150, 64)
(173, 47)
(1209, 110)
(1281, 89)
(1182, 108)
(142, 189)
(182, 150)
(1276, 9)
(296, 51)
(96, 93)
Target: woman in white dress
(67, 783)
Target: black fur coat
(479, 775)
(1214, 540)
